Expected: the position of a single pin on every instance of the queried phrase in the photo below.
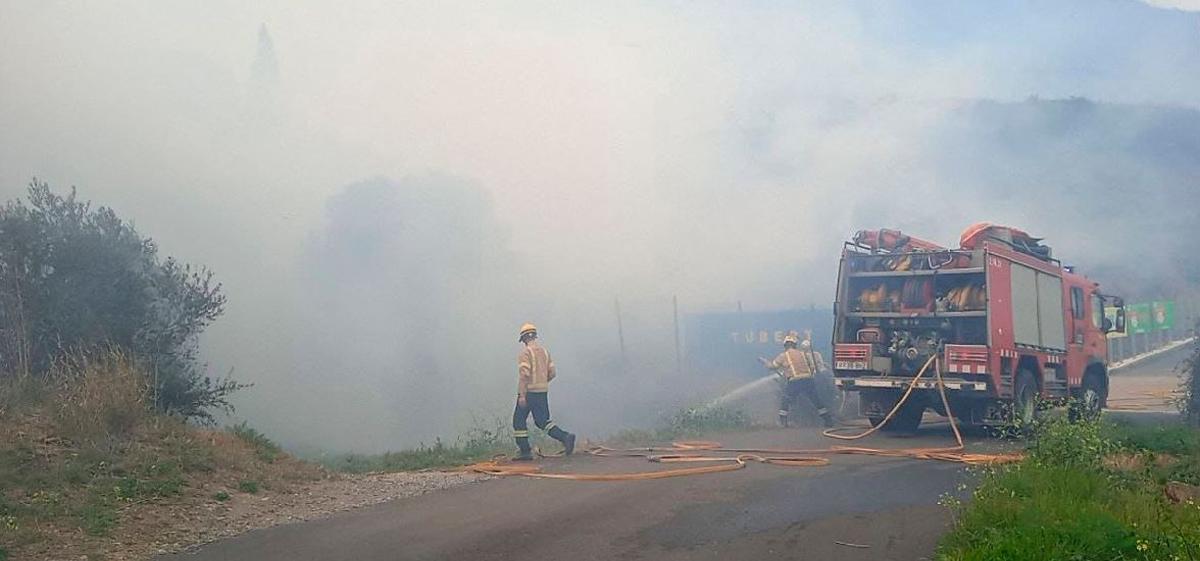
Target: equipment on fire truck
(969, 297)
(1017, 239)
(870, 335)
(893, 241)
(878, 299)
(911, 349)
(916, 295)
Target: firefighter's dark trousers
(792, 392)
(539, 405)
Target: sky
(388, 189)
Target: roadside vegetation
(692, 422)
(74, 277)
(101, 388)
(1088, 490)
(83, 445)
(487, 439)
(484, 440)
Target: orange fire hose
(690, 451)
(951, 453)
(899, 403)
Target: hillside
(89, 471)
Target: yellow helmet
(792, 338)
(528, 329)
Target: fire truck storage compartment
(908, 315)
(917, 293)
(1037, 308)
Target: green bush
(697, 421)
(248, 486)
(1039, 511)
(221, 496)
(689, 422)
(1058, 442)
(483, 440)
(77, 277)
(97, 518)
(264, 447)
(1062, 502)
(1179, 440)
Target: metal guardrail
(1135, 359)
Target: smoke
(1185, 5)
(538, 162)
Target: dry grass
(84, 458)
(99, 398)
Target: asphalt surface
(887, 508)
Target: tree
(76, 277)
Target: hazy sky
(569, 153)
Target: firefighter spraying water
(798, 365)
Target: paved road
(762, 512)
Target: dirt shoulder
(163, 486)
(158, 527)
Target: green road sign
(1138, 318)
(1162, 314)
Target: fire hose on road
(707, 451)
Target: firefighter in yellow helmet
(535, 370)
(798, 364)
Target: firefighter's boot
(567, 439)
(783, 418)
(526, 453)
(827, 417)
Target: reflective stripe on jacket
(795, 364)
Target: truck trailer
(1008, 326)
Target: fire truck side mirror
(1119, 318)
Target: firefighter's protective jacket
(795, 364)
(535, 367)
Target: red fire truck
(1011, 327)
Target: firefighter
(798, 364)
(535, 370)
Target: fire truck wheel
(1025, 400)
(1086, 405)
(908, 418)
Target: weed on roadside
(1175, 439)
(264, 447)
(483, 440)
(690, 422)
(1065, 502)
(97, 517)
(248, 486)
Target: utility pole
(620, 330)
(678, 355)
